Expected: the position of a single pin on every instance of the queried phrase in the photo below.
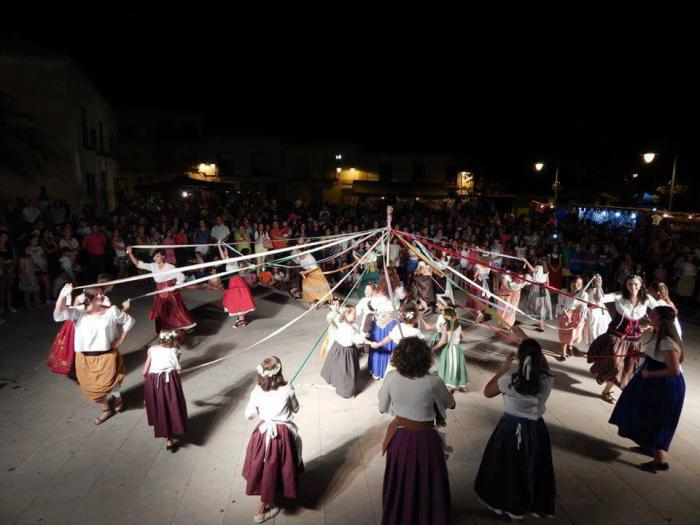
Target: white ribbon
(527, 367)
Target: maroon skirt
(165, 404)
(62, 354)
(276, 474)
(237, 299)
(416, 488)
(169, 310)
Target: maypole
(390, 232)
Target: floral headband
(409, 315)
(269, 373)
(167, 335)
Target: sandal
(101, 419)
(118, 404)
(240, 323)
(608, 397)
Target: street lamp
(649, 157)
(539, 166)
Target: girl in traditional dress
(408, 327)
(238, 301)
(342, 364)
(511, 287)
(480, 274)
(383, 321)
(314, 286)
(273, 457)
(99, 331)
(659, 291)
(614, 354)
(452, 367)
(331, 318)
(650, 405)
(416, 486)
(539, 302)
(168, 310)
(423, 279)
(367, 260)
(166, 407)
(516, 475)
(597, 319)
(442, 303)
(571, 314)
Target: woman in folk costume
(516, 475)
(168, 310)
(571, 314)
(368, 262)
(597, 319)
(166, 408)
(416, 486)
(539, 301)
(659, 291)
(510, 291)
(99, 331)
(480, 274)
(650, 406)
(614, 354)
(452, 367)
(423, 280)
(273, 457)
(62, 353)
(238, 301)
(314, 286)
(445, 283)
(442, 303)
(342, 364)
(383, 321)
(331, 318)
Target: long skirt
(424, 288)
(166, 407)
(508, 314)
(379, 357)
(62, 354)
(516, 475)
(613, 359)
(315, 287)
(341, 368)
(99, 374)
(169, 310)
(649, 409)
(539, 302)
(571, 328)
(416, 487)
(275, 470)
(597, 322)
(237, 298)
(452, 367)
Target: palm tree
(24, 149)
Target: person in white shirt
(168, 310)
(166, 408)
(273, 458)
(99, 331)
(516, 475)
(571, 314)
(220, 232)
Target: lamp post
(649, 158)
(539, 166)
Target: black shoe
(653, 466)
(561, 358)
(642, 451)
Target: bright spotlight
(649, 157)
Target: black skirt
(516, 476)
(341, 369)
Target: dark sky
(571, 80)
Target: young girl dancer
(452, 367)
(650, 406)
(238, 301)
(539, 301)
(516, 475)
(166, 407)
(571, 313)
(342, 364)
(273, 457)
(597, 319)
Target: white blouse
(625, 308)
(158, 270)
(519, 405)
(570, 303)
(347, 335)
(96, 332)
(407, 330)
(665, 345)
(274, 405)
(163, 359)
(308, 262)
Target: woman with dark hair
(452, 367)
(99, 331)
(650, 406)
(597, 319)
(659, 291)
(416, 487)
(368, 266)
(273, 457)
(168, 310)
(614, 354)
(571, 314)
(238, 301)
(516, 475)
(314, 286)
(425, 290)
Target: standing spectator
(278, 236)
(201, 237)
(52, 251)
(28, 281)
(242, 239)
(30, 213)
(41, 267)
(67, 240)
(8, 265)
(94, 244)
(220, 232)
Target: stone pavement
(56, 466)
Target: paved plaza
(56, 466)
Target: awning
(400, 189)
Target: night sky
(501, 84)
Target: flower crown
(167, 335)
(409, 315)
(269, 373)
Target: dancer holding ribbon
(238, 301)
(168, 310)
